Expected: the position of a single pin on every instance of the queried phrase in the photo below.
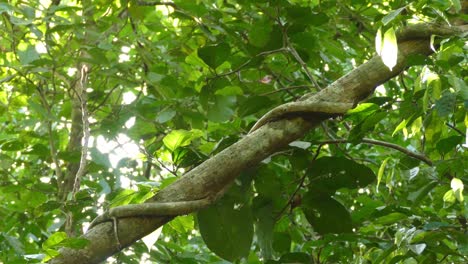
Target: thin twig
(248, 61)
(53, 150)
(286, 89)
(304, 66)
(384, 144)
(155, 3)
(454, 128)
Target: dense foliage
(168, 85)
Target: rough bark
(220, 170)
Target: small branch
(105, 99)
(304, 66)
(456, 129)
(53, 150)
(384, 144)
(81, 94)
(292, 197)
(287, 89)
(156, 3)
(249, 60)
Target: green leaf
(446, 145)
(381, 171)
(253, 104)
(401, 125)
(180, 138)
(390, 218)
(15, 243)
(55, 239)
(328, 174)
(13, 145)
(392, 15)
(446, 105)
(222, 110)
(264, 225)
(123, 197)
(421, 193)
(296, 257)
(165, 115)
(215, 55)
(326, 214)
(259, 34)
(29, 55)
(230, 90)
(389, 51)
(227, 229)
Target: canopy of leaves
(170, 84)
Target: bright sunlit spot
(119, 148)
(130, 122)
(128, 98)
(41, 48)
(45, 179)
(380, 90)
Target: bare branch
(384, 144)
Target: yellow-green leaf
(381, 171)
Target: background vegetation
(164, 86)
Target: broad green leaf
(15, 243)
(75, 242)
(230, 90)
(392, 15)
(215, 55)
(253, 104)
(55, 239)
(421, 193)
(361, 111)
(259, 33)
(165, 115)
(123, 197)
(326, 214)
(28, 55)
(180, 138)
(390, 218)
(389, 51)
(281, 242)
(222, 110)
(365, 126)
(13, 145)
(446, 145)
(264, 225)
(446, 104)
(227, 229)
(296, 257)
(328, 174)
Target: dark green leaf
(329, 174)
(326, 214)
(227, 229)
(215, 55)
